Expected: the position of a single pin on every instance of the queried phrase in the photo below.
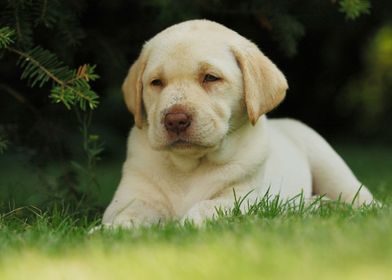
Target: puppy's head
(196, 81)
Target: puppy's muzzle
(177, 122)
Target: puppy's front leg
(207, 209)
(135, 203)
(136, 213)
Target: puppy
(199, 93)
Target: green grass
(334, 241)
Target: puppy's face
(192, 93)
(195, 82)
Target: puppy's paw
(99, 228)
(200, 212)
(112, 226)
(136, 214)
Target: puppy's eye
(210, 78)
(156, 83)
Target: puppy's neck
(184, 163)
(239, 140)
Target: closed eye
(210, 78)
(156, 83)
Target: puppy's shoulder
(288, 125)
(136, 139)
(298, 132)
(138, 148)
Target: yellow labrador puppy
(199, 93)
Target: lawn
(334, 241)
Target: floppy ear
(264, 84)
(132, 88)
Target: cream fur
(230, 144)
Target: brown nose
(177, 122)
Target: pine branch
(354, 8)
(68, 29)
(287, 31)
(46, 12)
(17, 15)
(3, 143)
(71, 87)
(6, 37)
(40, 66)
(77, 90)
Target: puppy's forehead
(196, 29)
(188, 51)
(188, 44)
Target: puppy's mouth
(184, 144)
(181, 144)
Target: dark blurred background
(339, 71)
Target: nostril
(177, 122)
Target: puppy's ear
(264, 84)
(132, 88)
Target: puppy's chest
(184, 189)
(176, 183)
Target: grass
(333, 241)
